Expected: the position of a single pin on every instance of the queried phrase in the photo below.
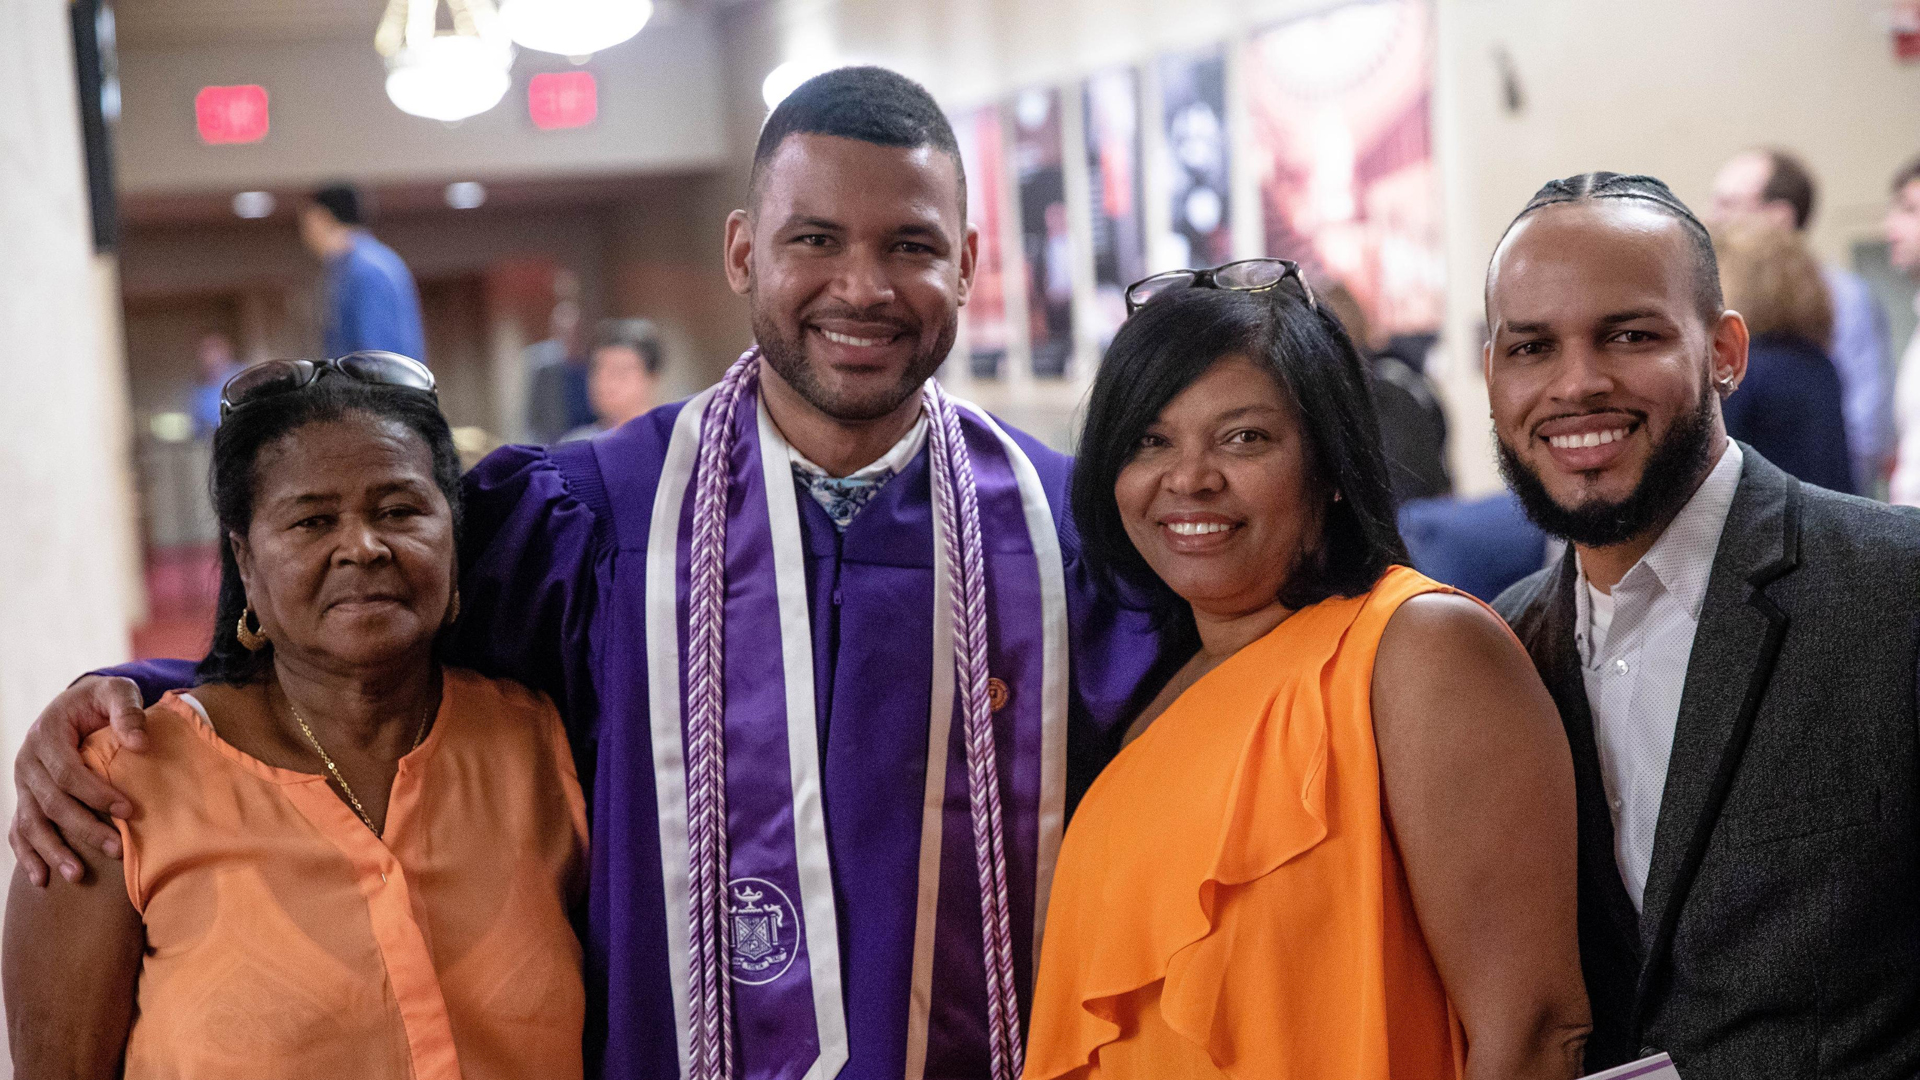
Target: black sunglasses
(271, 378)
(1247, 275)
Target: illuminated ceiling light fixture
(573, 28)
(444, 76)
(786, 78)
(466, 195)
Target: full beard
(788, 358)
(1672, 473)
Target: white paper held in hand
(1657, 1067)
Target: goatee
(1673, 471)
(788, 357)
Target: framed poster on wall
(981, 155)
(1340, 104)
(1193, 94)
(1039, 154)
(1110, 102)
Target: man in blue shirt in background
(371, 299)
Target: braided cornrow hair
(1591, 186)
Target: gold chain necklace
(419, 736)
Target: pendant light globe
(573, 28)
(448, 77)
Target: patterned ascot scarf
(842, 497)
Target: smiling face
(1601, 367)
(348, 562)
(1218, 498)
(856, 259)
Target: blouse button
(1620, 667)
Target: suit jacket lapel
(1739, 637)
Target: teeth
(1196, 528)
(848, 339)
(1591, 438)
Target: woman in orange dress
(344, 860)
(1341, 843)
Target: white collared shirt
(1634, 648)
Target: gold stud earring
(250, 640)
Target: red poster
(1340, 104)
(982, 154)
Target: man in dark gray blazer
(1734, 655)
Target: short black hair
(1170, 343)
(1791, 182)
(237, 444)
(636, 334)
(1906, 175)
(870, 104)
(343, 202)
(1593, 186)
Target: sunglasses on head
(1247, 275)
(271, 378)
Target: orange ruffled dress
(1228, 901)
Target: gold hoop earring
(250, 640)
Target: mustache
(1639, 417)
(876, 316)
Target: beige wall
(1670, 88)
(66, 535)
(658, 99)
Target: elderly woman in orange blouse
(1341, 843)
(346, 861)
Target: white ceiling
(158, 24)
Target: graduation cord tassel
(709, 964)
(959, 533)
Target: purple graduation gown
(552, 590)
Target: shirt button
(1617, 805)
(1620, 667)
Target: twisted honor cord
(957, 527)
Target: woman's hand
(1478, 785)
(57, 795)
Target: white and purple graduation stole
(734, 680)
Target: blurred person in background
(1788, 406)
(371, 301)
(624, 375)
(1775, 187)
(1413, 425)
(558, 400)
(349, 860)
(1903, 251)
(1479, 546)
(217, 365)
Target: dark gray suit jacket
(1780, 935)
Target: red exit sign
(231, 114)
(562, 99)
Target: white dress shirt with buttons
(1634, 647)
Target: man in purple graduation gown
(852, 875)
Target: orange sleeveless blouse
(1228, 901)
(284, 939)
